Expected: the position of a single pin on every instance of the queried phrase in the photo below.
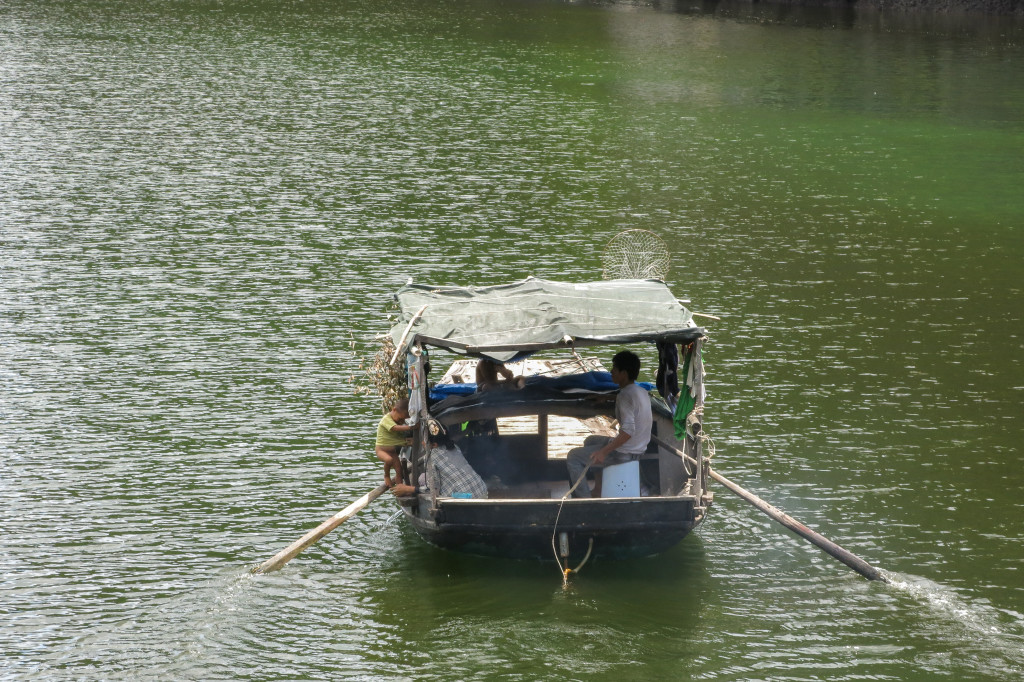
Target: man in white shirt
(633, 412)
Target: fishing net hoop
(636, 254)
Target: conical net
(635, 254)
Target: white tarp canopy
(507, 320)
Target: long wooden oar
(831, 548)
(290, 552)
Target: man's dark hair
(628, 362)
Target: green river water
(204, 206)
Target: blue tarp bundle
(442, 391)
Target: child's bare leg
(390, 459)
(399, 469)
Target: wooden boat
(535, 328)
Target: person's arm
(627, 424)
(614, 444)
(403, 490)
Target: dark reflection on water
(205, 207)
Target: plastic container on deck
(621, 480)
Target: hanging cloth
(667, 379)
(415, 388)
(688, 397)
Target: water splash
(391, 519)
(987, 639)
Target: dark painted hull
(523, 529)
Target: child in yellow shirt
(392, 435)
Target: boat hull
(524, 529)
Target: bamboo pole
(292, 550)
(405, 334)
(829, 547)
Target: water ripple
(205, 211)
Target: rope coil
(694, 418)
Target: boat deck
(516, 434)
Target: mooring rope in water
(565, 570)
(590, 548)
